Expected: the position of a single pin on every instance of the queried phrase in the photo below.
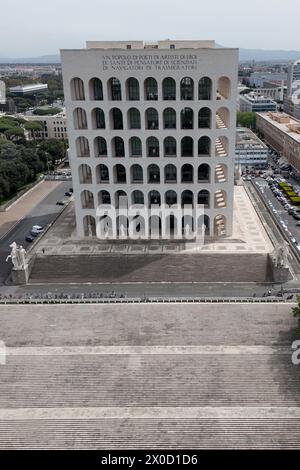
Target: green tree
(246, 119)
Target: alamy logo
(2, 353)
(2, 93)
(160, 221)
(296, 353)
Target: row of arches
(186, 147)
(155, 226)
(115, 119)
(154, 174)
(169, 198)
(188, 89)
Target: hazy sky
(30, 28)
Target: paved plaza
(249, 236)
(149, 376)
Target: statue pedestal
(281, 274)
(20, 276)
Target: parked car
(298, 224)
(68, 194)
(70, 190)
(60, 203)
(37, 228)
(296, 216)
(29, 239)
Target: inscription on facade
(149, 62)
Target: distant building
(28, 89)
(254, 103)
(292, 99)
(54, 127)
(282, 132)
(257, 79)
(250, 151)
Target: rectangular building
(54, 126)
(155, 122)
(253, 103)
(250, 151)
(282, 132)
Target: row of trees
(22, 161)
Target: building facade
(281, 132)
(253, 103)
(153, 122)
(54, 126)
(250, 151)
(292, 99)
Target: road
(42, 214)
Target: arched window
(152, 147)
(89, 226)
(114, 89)
(150, 87)
(116, 118)
(220, 173)
(151, 118)
(79, 117)
(187, 174)
(223, 91)
(169, 117)
(204, 118)
(154, 198)
(133, 89)
(135, 147)
(98, 119)
(221, 147)
(170, 198)
(118, 148)
(204, 173)
(121, 198)
(220, 226)
(96, 89)
(187, 118)
(87, 200)
(170, 147)
(137, 197)
(134, 119)
(203, 225)
(187, 198)
(85, 174)
(136, 172)
(204, 198)
(82, 147)
(187, 89)
(204, 88)
(169, 89)
(220, 199)
(102, 174)
(100, 147)
(119, 174)
(187, 147)
(77, 89)
(223, 118)
(170, 174)
(204, 145)
(104, 197)
(153, 174)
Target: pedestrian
(43, 250)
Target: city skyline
(68, 25)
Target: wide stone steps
(115, 267)
(132, 433)
(135, 380)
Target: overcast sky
(31, 28)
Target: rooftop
(254, 98)
(245, 138)
(284, 123)
(165, 44)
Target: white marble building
(155, 122)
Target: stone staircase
(115, 267)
